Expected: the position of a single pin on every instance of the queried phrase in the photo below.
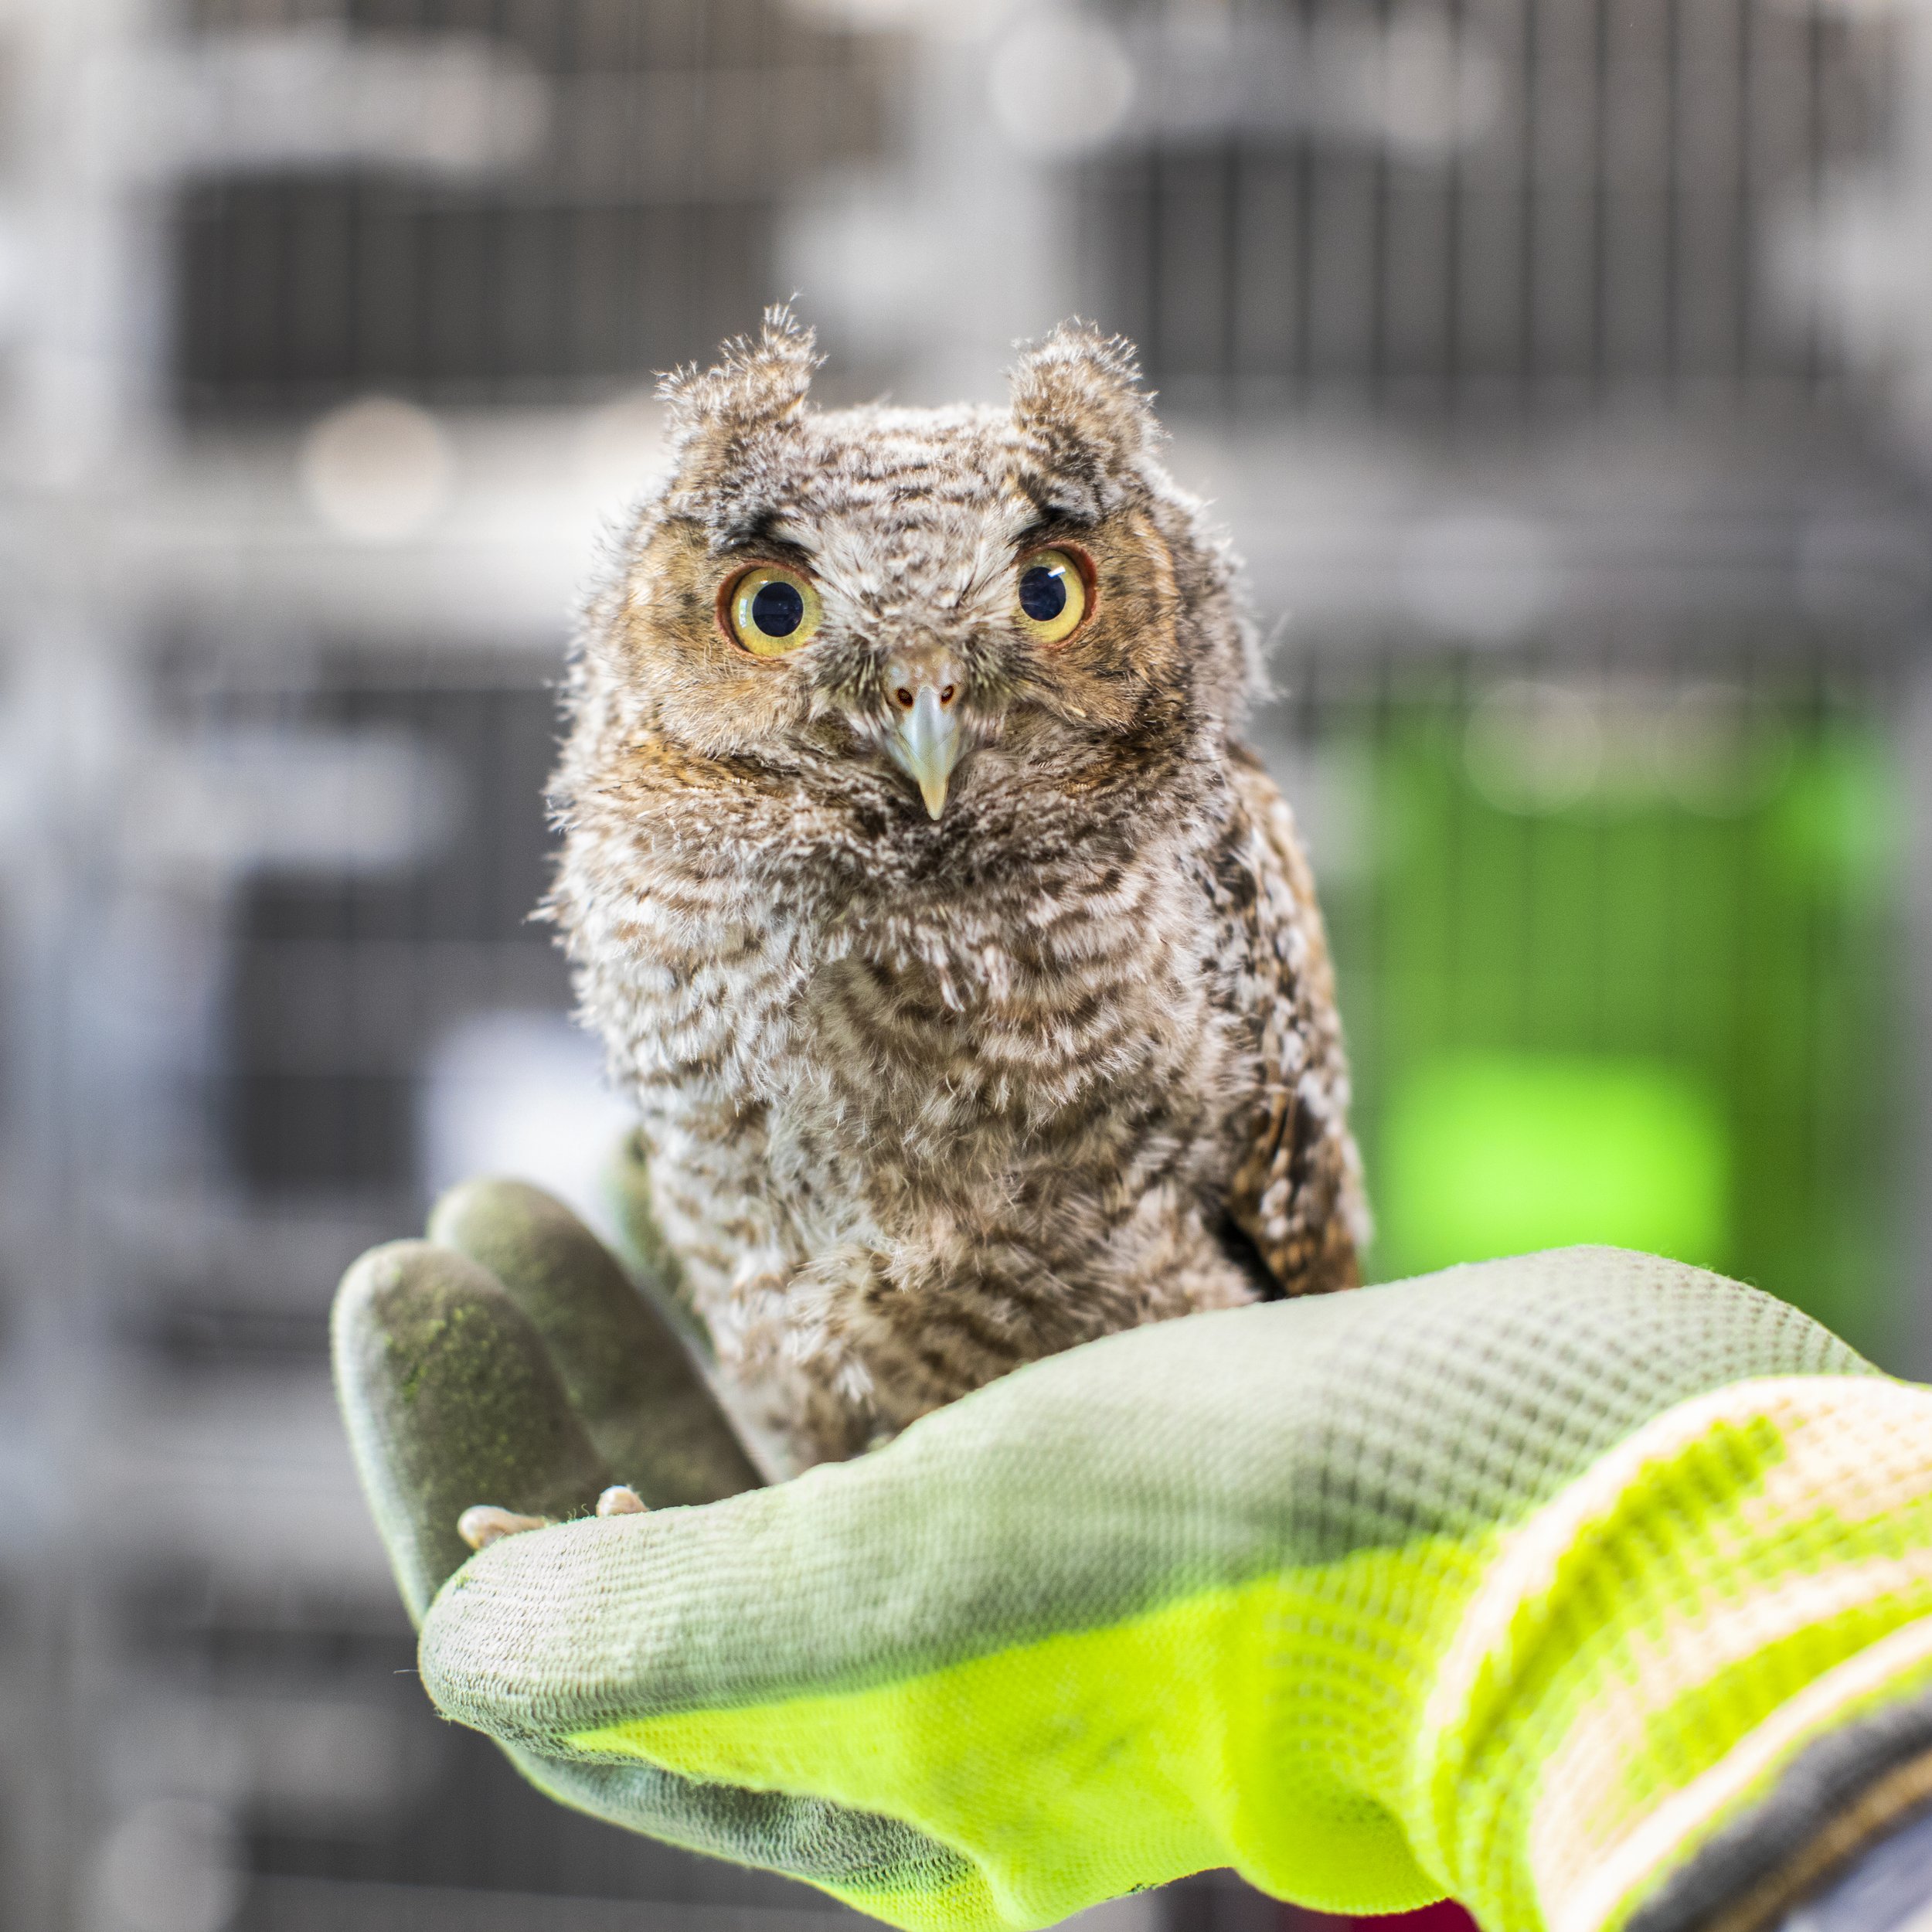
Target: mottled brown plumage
(927, 1097)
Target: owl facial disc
(924, 739)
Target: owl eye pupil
(778, 609)
(1042, 593)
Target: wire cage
(603, 204)
(1495, 206)
(1605, 738)
(1621, 941)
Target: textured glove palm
(1530, 1582)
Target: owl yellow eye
(772, 611)
(1052, 596)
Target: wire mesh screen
(339, 982)
(1616, 914)
(524, 203)
(1491, 203)
(1619, 946)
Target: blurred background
(1562, 369)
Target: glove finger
(449, 1400)
(653, 1418)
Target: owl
(964, 964)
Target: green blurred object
(1618, 959)
(1488, 1154)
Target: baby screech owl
(964, 966)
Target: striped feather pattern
(927, 1099)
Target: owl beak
(924, 739)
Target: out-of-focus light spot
(71, 427)
(620, 446)
(1719, 752)
(318, 97)
(368, 802)
(1489, 1153)
(944, 19)
(1481, 574)
(1422, 81)
(1439, 88)
(1060, 85)
(867, 270)
(1629, 743)
(1533, 747)
(16, 278)
(521, 1093)
(378, 470)
(172, 1865)
(1832, 248)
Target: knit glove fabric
(1589, 1588)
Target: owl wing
(1296, 1192)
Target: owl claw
(484, 1523)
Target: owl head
(927, 627)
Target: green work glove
(1587, 1587)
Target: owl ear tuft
(1086, 426)
(757, 384)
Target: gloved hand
(1590, 1588)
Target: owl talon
(482, 1525)
(620, 1500)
